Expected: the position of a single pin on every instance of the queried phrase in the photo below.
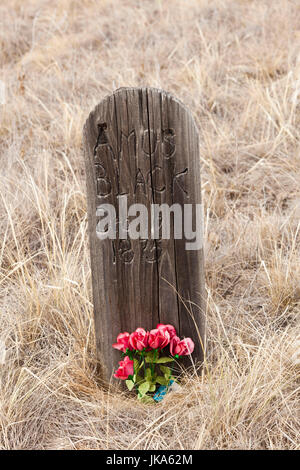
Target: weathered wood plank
(142, 144)
(162, 163)
(187, 190)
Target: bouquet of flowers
(145, 355)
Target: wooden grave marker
(142, 143)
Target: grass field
(236, 64)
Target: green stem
(153, 364)
(143, 359)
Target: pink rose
(170, 329)
(181, 347)
(139, 339)
(122, 342)
(187, 346)
(158, 338)
(125, 369)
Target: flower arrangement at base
(145, 354)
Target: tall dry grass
(236, 65)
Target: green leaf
(165, 370)
(152, 388)
(144, 388)
(148, 374)
(149, 356)
(146, 399)
(162, 380)
(139, 379)
(163, 360)
(130, 384)
(136, 365)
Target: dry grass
(236, 65)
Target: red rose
(170, 329)
(174, 346)
(125, 369)
(139, 339)
(182, 347)
(158, 338)
(122, 342)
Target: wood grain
(143, 143)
